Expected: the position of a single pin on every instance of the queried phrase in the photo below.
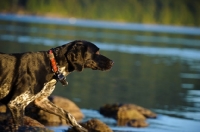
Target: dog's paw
(82, 129)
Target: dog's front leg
(17, 106)
(17, 113)
(48, 106)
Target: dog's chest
(63, 71)
(50, 86)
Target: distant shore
(179, 13)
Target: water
(163, 123)
(156, 66)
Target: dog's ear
(76, 56)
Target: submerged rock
(51, 119)
(93, 125)
(127, 114)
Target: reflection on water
(116, 36)
(156, 66)
(173, 52)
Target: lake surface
(156, 66)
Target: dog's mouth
(100, 66)
(109, 66)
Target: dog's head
(83, 54)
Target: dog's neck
(59, 72)
(61, 59)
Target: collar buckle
(56, 69)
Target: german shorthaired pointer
(32, 76)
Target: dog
(32, 76)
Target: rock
(31, 122)
(147, 113)
(127, 114)
(7, 125)
(131, 111)
(51, 119)
(29, 125)
(137, 123)
(93, 125)
(2, 108)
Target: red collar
(53, 61)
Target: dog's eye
(97, 52)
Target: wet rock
(51, 119)
(127, 114)
(30, 125)
(93, 125)
(31, 122)
(136, 123)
